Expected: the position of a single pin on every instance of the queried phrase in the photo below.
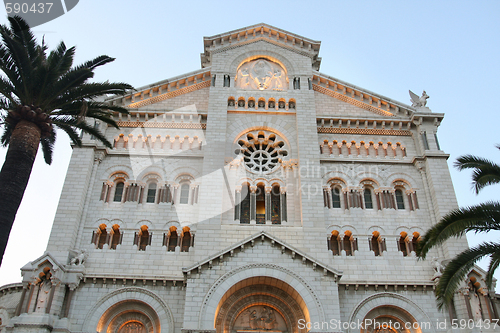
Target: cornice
(384, 104)
(270, 41)
(164, 96)
(148, 124)
(362, 131)
(208, 262)
(261, 31)
(162, 89)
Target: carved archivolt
(261, 74)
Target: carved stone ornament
(262, 151)
(79, 259)
(261, 74)
(260, 318)
(438, 269)
(417, 101)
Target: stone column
(69, 298)
(21, 301)
(253, 204)
(268, 204)
(283, 211)
(237, 206)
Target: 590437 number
(40, 8)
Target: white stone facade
(287, 202)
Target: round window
(262, 152)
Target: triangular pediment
(265, 239)
(260, 32)
(46, 257)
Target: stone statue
(253, 320)
(418, 101)
(268, 318)
(79, 259)
(438, 269)
(43, 295)
(475, 303)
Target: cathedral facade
(255, 194)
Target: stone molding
(225, 282)
(274, 240)
(387, 299)
(126, 294)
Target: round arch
(308, 300)
(245, 55)
(150, 304)
(391, 305)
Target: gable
(263, 247)
(260, 32)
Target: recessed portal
(260, 304)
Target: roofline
(369, 92)
(305, 257)
(258, 25)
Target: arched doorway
(260, 304)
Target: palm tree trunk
(15, 174)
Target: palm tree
(38, 93)
(479, 218)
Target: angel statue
(418, 101)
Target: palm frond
(458, 268)
(492, 267)
(6, 134)
(47, 144)
(72, 133)
(479, 218)
(64, 122)
(485, 171)
(91, 91)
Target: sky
(450, 49)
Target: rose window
(261, 152)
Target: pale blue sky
(449, 48)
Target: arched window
(367, 193)
(347, 245)
(334, 243)
(260, 205)
(400, 201)
(143, 238)
(415, 240)
(377, 244)
(151, 194)
(227, 80)
(119, 192)
(403, 244)
(116, 236)
(296, 83)
(245, 204)
(100, 237)
(187, 239)
(336, 192)
(171, 239)
(184, 198)
(275, 205)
